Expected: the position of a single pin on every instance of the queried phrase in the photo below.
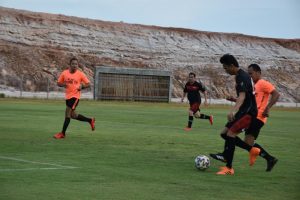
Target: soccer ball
(202, 162)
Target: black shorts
(72, 103)
(254, 128)
(240, 123)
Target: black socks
(229, 150)
(191, 118)
(83, 118)
(240, 143)
(263, 152)
(66, 124)
(203, 116)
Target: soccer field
(138, 151)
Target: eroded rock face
(38, 46)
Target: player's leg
(71, 104)
(271, 161)
(238, 142)
(249, 138)
(251, 135)
(229, 149)
(82, 118)
(244, 123)
(67, 119)
(220, 156)
(235, 127)
(197, 114)
(190, 119)
(66, 123)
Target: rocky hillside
(38, 46)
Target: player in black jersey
(192, 88)
(239, 116)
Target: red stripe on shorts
(242, 123)
(74, 105)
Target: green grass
(138, 151)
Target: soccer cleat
(59, 135)
(92, 123)
(271, 163)
(225, 171)
(187, 129)
(254, 152)
(218, 156)
(211, 120)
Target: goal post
(132, 84)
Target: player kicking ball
(74, 81)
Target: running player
(192, 88)
(74, 81)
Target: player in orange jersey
(266, 96)
(74, 81)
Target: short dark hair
(228, 59)
(255, 67)
(73, 59)
(192, 73)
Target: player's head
(73, 64)
(254, 71)
(192, 77)
(230, 64)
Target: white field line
(56, 166)
(32, 169)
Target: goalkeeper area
(138, 151)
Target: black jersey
(192, 90)
(245, 84)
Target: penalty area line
(55, 166)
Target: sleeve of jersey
(268, 87)
(61, 78)
(185, 89)
(202, 87)
(240, 85)
(84, 79)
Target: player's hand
(80, 87)
(266, 112)
(231, 98)
(62, 85)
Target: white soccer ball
(202, 162)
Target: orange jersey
(263, 89)
(72, 82)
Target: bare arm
(61, 84)
(236, 107)
(205, 97)
(273, 100)
(83, 86)
(231, 98)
